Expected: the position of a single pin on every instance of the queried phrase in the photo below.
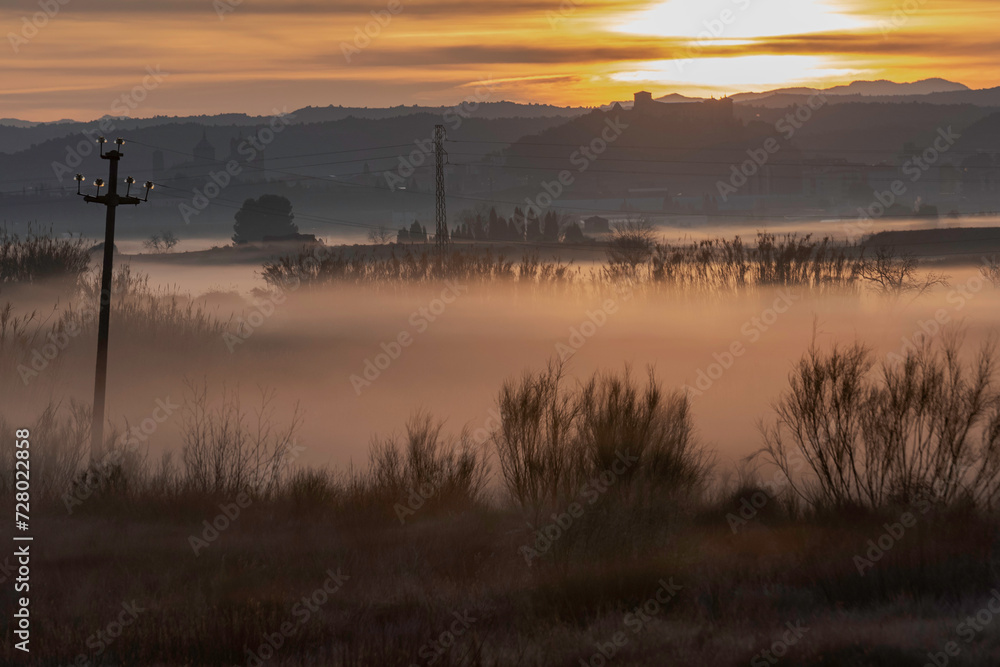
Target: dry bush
(925, 427)
(449, 473)
(538, 461)
(550, 441)
(227, 451)
(631, 245)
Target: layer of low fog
(307, 348)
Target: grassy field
(586, 524)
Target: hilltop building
(705, 110)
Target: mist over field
(649, 333)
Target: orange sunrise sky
(254, 56)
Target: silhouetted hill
(881, 88)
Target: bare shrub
(550, 440)
(380, 235)
(534, 445)
(631, 245)
(928, 426)
(894, 274)
(225, 451)
(447, 472)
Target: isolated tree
(379, 235)
(892, 274)
(268, 215)
(418, 232)
(573, 234)
(161, 242)
(632, 243)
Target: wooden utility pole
(111, 200)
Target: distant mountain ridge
(880, 88)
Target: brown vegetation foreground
(601, 541)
